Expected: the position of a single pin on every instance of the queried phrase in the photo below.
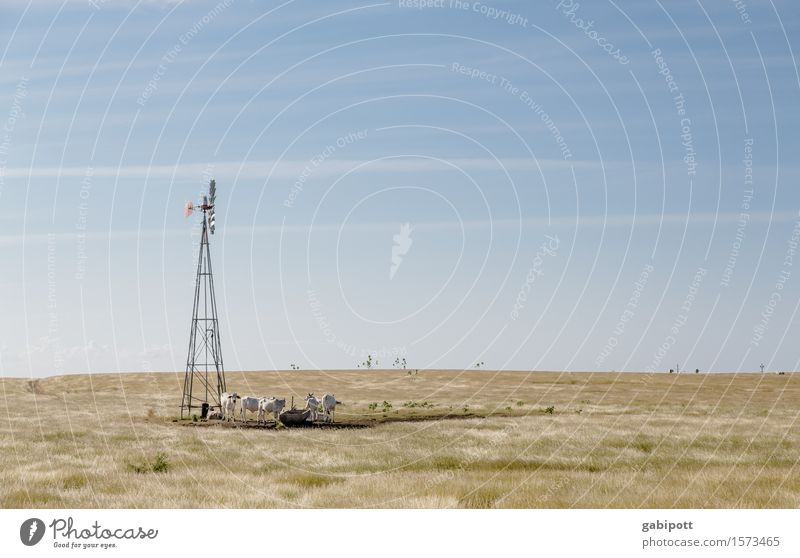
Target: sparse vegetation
(699, 443)
(368, 363)
(158, 464)
(549, 410)
(421, 404)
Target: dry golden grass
(612, 440)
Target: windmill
(204, 381)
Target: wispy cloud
(293, 168)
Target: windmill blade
(212, 221)
(188, 209)
(212, 191)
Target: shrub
(159, 464)
(34, 387)
(549, 410)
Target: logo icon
(31, 531)
(402, 244)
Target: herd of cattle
(231, 403)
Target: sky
(601, 186)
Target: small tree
(368, 363)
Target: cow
(270, 405)
(248, 404)
(312, 404)
(329, 406)
(215, 415)
(228, 405)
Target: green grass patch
(75, 481)
(313, 480)
(483, 498)
(158, 464)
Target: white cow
(248, 404)
(329, 406)
(270, 405)
(312, 404)
(228, 405)
(214, 415)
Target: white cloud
(292, 168)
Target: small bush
(159, 464)
(34, 387)
(423, 404)
(549, 410)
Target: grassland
(521, 440)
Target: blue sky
(613, 195)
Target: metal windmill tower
(205, 375)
